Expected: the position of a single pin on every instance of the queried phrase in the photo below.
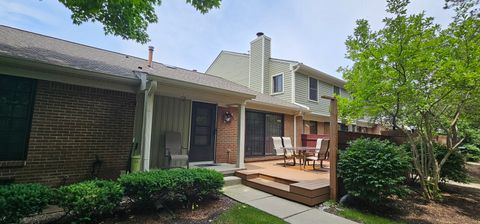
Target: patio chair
(173, 147)
(280, 150)
(317, 149)
(322, 153)
(287, 143)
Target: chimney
(259, 63)
(150, 56)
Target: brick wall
(288, 128)
(70, 126)
(227, 136)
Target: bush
(454, 168)
(20, 200)
(184, 187)
(472, 152)
(89, 199)
(372, 169)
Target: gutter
(294, 70)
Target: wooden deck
(307, 186)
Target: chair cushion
(179, 157)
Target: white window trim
(273, 83)
(309, 99)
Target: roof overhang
(44, 71)
(307, 70)
(271, 107)
(195, 91)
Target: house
(69, 112)
(287, 80)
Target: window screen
(313, 89)
(16, 107)
(278, 83)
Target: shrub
(89, 199)
(20, 200)
(372, 169)
(472, 152)
(184, 187)
(454, 168)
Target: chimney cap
(259, 34)
(150, 48)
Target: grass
(244, 214)
(365, 218)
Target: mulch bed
(459, 205)
(204, 213)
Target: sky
(310, 31)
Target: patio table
(302, 151)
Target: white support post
(241, 137)
(147, 123)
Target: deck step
(306, 192)
(231, 180)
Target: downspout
(294, 70)
(298, 114)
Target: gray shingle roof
(36, 47)
(31, 46)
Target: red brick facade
(71, 125)
(227, 136)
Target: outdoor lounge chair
(173, 147)
(280, 150)
(322, 154)
(287, 143)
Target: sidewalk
(287, 210)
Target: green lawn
(244, 214)
(365, 218)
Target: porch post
(147, 123)
(241, 137)
(333, 147)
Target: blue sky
(310, 31)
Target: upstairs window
(312, 89)
(277, 83)
(16, 107)
(336, 90)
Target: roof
(274, 101)
(20, 44)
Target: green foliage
(244, 214)
(176, 186)
(128, 19)
(372, 169)
(412, 73)
(472, 153)
(20, 200)
(90, 199)
(454, 168)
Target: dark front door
(202, 140)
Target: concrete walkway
(289, 211)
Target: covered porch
(210, 123)
(303, 185)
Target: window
(16, 107)
(313, 89)
(336, 90)
(277, 83)
(259, 129)
(312, 126)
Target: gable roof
(20, 44)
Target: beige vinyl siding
(301, 94)
(231, 67)
(276, 68)
(256, 66)
(169, 114)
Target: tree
(128, 19)
(420, 79)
